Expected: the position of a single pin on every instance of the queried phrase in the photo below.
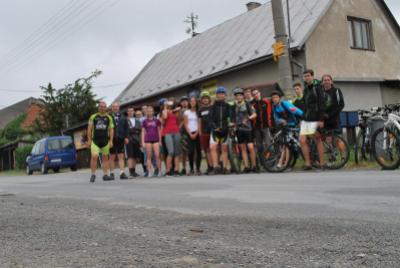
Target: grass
(12, 173)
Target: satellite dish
(188, 30)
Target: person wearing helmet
(285, 113)
(204, 127)
(184, 105)
(220, 116)
(244, 113)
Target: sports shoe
(107, 178)
(183, 172)
(123, 176)
(133, 175)
(112, 177)
(92, 178)
(226, 171)
(307, 168)
(246, 170)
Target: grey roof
(240, 40)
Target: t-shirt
(193, 120)
(171, 125)
(100, 123)
(242, 113)
(204, 115)
(151, 126)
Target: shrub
(20, 156)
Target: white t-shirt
(192, 120)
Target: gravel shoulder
(54, 232)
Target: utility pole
(281, 38)
(192, 20)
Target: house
(30, 107)
(356, 41)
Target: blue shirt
(286, 111)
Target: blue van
(52, 153)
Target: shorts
(219, 137)
(244, 137)
(205, 142)
(118, 146)
(133, 150)
(308, 128)
(184, 142)
(333, 125)
(96, 150)
(173, 144)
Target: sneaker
(123, 176)
(255, 170)
(183, 172)
(211, 172)
(112, 176)
(191, 173)
(156, 171)
(133, 175)
(246, 170)
(198, 173)
(217, 170)
(92, 178)
(226, 171)
(307, 168)
(107, 178)
(146, 174)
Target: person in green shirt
(100, 139)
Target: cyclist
(285, 115)
(313, 118)
(220, 115)
(100, 138)
(134, 145)
(204, 127)
(151, 128)
(243, 114)
(299, 100)
(120, 136)
(263, 122)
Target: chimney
(252, 5)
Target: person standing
(244, 113)
(204, 127)
(220, 116)
(120, 135)
(100, 138)
(184, 105)
(172, 137)
(263, 121)
(313, 118)
(334, 104)
(151, 140)
(191, 124)
(299, 99)
(133, 146)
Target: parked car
(52, 153)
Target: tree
(67, 106)
(13, 130)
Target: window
(41, 147)
(53, 145)
(66, 144)
(360, 33)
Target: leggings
(194, 150)
(172, 141)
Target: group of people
(197, 126)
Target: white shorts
(308, 128)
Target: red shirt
(171, 125)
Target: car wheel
(29, 171)
(43, 168)
(56, 170)
(74, 168)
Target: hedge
(21, 155)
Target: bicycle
(285, 151)
(386, 140)
(362, 149)
(234, 153)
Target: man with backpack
(263, 121)
(334, 104)
(244, 113)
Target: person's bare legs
(243, 149)
(214, 155)
(149, 154)
(305, 149)
(253, 156)
(225, 159)
(106, 164)
(93, 163)
(112, 162)
(177, 160)
(156, 149)
(320, 149)
(121, 162)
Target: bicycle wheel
(362, 150)
(336, 152)
(386, 148)
(277, 157)
(235, 158)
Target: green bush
(20, 156)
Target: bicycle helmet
(276, 92)
(205, 94)
(162, 101)
(237, 91)
(221, 90)
(183, 98)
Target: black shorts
(244, 137)
(118, 146)
(133, 150)
(219, 137)
(332, 126)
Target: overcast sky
(58, 41)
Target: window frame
(370, 35)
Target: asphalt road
(325, 219)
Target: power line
(78, 26)
(48, 34)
